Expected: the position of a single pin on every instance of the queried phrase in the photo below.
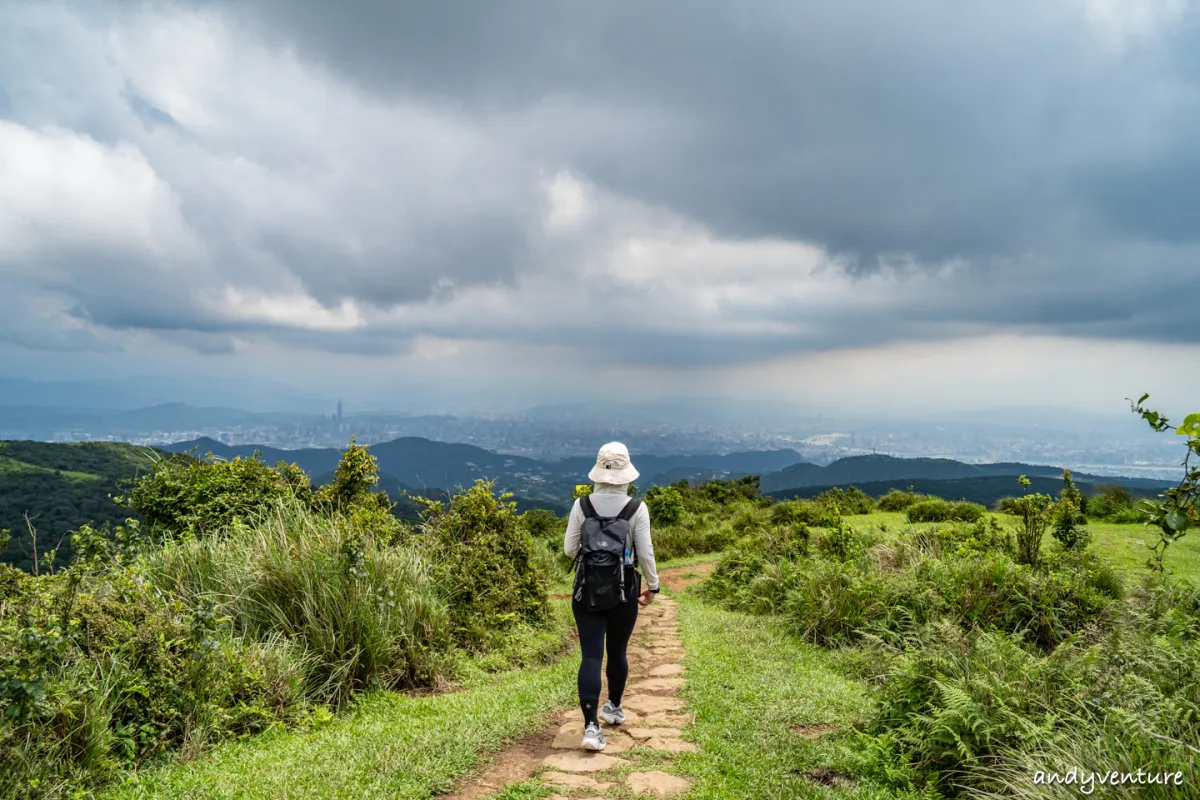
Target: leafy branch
(1179, 507)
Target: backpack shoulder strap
(585, 505)
(630, 509)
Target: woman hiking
(606, 531)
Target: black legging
(615, 625)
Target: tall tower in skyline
(339, 417)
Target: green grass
(391, 745)
(1122, 545)
(689, 561)
(11, 466)
(1125, 547)
(388, 744)
(751, 685)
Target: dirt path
(655, 717)
(679, 578)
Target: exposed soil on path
(654, 719)
(514, 764)
(679, 578)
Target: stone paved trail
(655, 717)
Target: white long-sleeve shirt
(608, 500)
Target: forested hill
(873, 469)
(60, 487)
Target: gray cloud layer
(350, 177)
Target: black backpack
(600, 564)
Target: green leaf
(1177, 521)
(1190, 426)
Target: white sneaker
(593, 737)
(613, 715)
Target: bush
(851, 501)
(98, 672)
(750, 555)
(550, 560)
(665, 504)
(841, 540)
(896, 500)
(785, 512)
(1035, 515)
(484, 559)
(188, 496)
(1111, 501)
(730, 491)
(813, 514)
(1068, 521)
(935, 509)
(542, 523)
(963, 540)
(746, 520)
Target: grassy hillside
(986, 490)
(60, 487)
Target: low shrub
(746, 520)
(542, 523)
(724, 492)
(958, 699)
(1067, 519)
(897, 500)
(750, 556)
(100, 672)
(549, 559)
(962, 540)
(484, 561)
(665, 504)
(191, 496)
(978, 713)
(935, 509)
(1110, 501)
(851, 501)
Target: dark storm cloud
(931, 128)
(1014, 137)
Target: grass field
(11, 466)
(1123, 545)
(768, 710)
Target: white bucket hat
(612, 465)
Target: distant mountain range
(63, 486)
(413, 462)
(425, 464)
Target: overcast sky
(846, 204)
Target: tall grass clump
(362, 614)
